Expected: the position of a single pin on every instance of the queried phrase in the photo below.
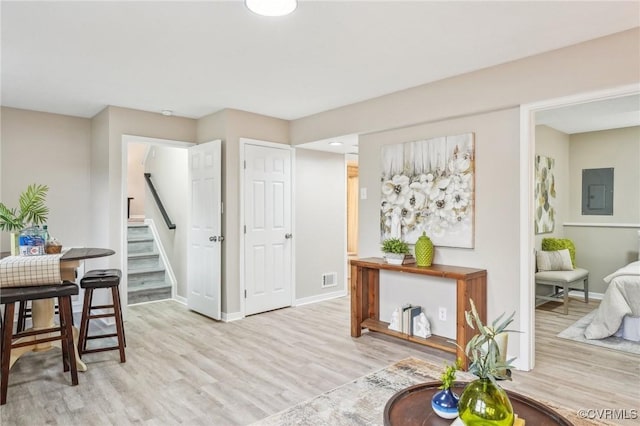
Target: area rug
(362, 401)
(576, 332)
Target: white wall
(135, 178)
(54, 150)
(320, 227)
(169, 173)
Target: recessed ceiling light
(271, 7)
(335, 143)
(167, 112)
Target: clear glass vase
(483, 403)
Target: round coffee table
(412, 406)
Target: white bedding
(621, 298)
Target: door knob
(288, 236)
(214, 239)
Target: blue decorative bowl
(445, 404)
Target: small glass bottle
(45, 234)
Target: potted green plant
(483, 400)
(31, 211)
(395, 250)
(445, 402)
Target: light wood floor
(183, 368)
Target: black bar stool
(95, 279)
(8, 297)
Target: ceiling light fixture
(335, 143)
(271, 7)
(167, 112)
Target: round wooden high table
(412, 407)
(43, 311)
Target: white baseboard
(592, 295)
(320, 297)
(232, 316)
(180, 299)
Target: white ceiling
(593, 116)
(198, 57)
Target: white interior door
(268, 228)
(204, 241)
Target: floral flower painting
(427, 185)
(545, 195)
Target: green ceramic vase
(424, 250)
(483, 403)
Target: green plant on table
(483, 350)
(449, 374)
(483, 401)
(32, 209)
(395, 245)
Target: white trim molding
(232, 316)
(603, 225)
(320, 297)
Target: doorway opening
(528, 115)
(151, 247)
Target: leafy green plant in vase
(445, 402)
(483, 401)
(31, 211)
(395, 250)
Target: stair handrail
(170, 225)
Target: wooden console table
(365, 300)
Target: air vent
(329, 279)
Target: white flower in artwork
(408, 218)
(396, 189)
(443, 183)
(415, 199)
(460, 199)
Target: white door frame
(526, 360)
(242, 287)
(126, 139)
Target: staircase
(147, 278)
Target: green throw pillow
(553, 244)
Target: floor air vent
(329, 279)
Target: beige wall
(604, 249)
(54, 150)
(320, 225)
(496, 219)
(122, 121)
(593, 65)
(620, 149)
(464, 104)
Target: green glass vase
(424, 250)
(483, 403)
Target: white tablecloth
(20, 271)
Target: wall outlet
(442, 314)
(363, 193)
